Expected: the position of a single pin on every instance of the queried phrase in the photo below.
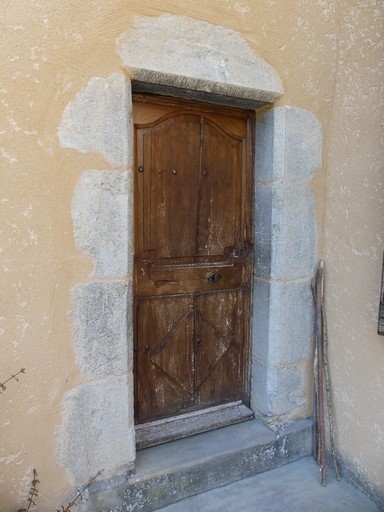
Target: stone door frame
(97, 427)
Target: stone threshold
(185, 425)
(168, 473)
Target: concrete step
(174, 471)
(291, 488)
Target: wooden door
(193, 264)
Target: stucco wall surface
(52, 51)
(354, 243)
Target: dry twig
(33, 493)
(12, 377)
(79, 494)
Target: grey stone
(288, 144)
(98, 120)
(102, 329)
(285, 231)
(192, 54)
(102, 221)
(270, 144)
(97, 430)
(168, 473)
(303, 144)
(278, 392)
(282, 322)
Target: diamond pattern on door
(212, 346)
(219, 329)
(167, 353)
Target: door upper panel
(219, 213)
(170, 186)
(189, 188)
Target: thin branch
(2, 384)
(33, 493)
(79, 494)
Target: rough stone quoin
(97, 120)
(100, 329)
(102, 220)
(95, 433)
(289, 144)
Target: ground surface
(291, 488)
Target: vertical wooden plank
(171, 186)
(219, 217)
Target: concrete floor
(291, 488)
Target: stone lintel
(146, 80)
(185, 53)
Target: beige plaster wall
(354, 242)
(51, 51)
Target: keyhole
(213, 278)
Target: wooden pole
(320, 366)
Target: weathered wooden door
(193, 264)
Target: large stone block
(97, 430)
(192, 54)
(278, 393)
(288, 144)
(282, 322)
(102, 328)
(102, 221)
(285, 231)
(98, 119)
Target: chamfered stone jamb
(279, 392)
(288, 155)
(283, 315)
(285, 230)
(288, 144)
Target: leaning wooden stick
(320, 363)
(315, 411)
(328, 391)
